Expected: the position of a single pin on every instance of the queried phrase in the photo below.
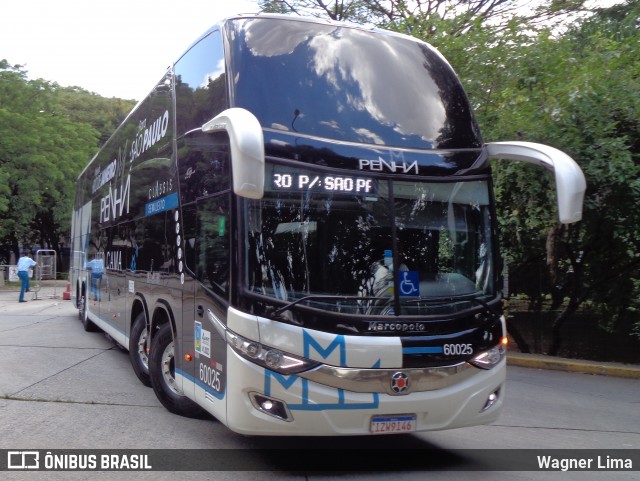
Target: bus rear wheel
(138, 343)
(83, 314)
(162, 374)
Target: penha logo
(393, 166)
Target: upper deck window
(348, 84)
(200, 84)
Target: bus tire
(138, 349)
(162, 374)
(80, 306)
(88, 325)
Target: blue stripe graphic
(422, 350)
(160, 205)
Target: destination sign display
(345, 184)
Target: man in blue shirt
(96, 266)
(24, 264)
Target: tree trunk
(556, 339)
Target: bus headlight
(491, 358)
(268, 357)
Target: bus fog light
(272, 407)
(491, 400)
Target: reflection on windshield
(403, 243)
(348, 84)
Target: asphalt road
(64, 388)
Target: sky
(115, 48)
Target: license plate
(397, 423)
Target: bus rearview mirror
(247, 150)
(570, 181)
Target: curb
(539, 361)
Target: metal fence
(47, 269)
(585, 334)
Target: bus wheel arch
(162, 366)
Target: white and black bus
(295, 231)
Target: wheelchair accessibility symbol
(409, 283)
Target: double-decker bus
(295, 232)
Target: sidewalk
(49, 291)
(48, 288)
(541, 361)
(52, 291)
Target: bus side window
(207, 241)
(203, 165)
(213, 245)
(155, 249)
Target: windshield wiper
(465, 298)
(469, 298)
(289, 305)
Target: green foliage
(422, 18)
(579, 93)
(48, 135)
(274, 6)
(101, 113)
(357, 11)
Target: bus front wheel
(162, 374)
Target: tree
(103, 114)
(423, 18)
(580, 93)
(47, 138)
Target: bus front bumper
(262, 402)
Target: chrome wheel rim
(142, 350)
(168, 369)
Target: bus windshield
(383, 244)
(349, 85)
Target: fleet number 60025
(457, 349)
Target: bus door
(205, 299)
(186, 334)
